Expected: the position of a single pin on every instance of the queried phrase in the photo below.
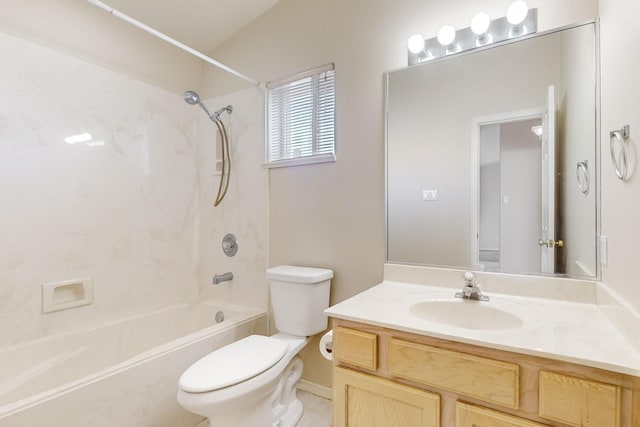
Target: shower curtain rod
(168, 39)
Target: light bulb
(446, 35)
(416, 43)
(480, 23)
(517, 12)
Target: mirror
(491, 158)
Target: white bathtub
(124, 374)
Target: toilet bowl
(262, 400)
(251, 382)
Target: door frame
(476, 122)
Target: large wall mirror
(491, 158)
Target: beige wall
(79, 29)
(620, 103)
(332, 215)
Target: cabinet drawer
(578, 402)
(475, 416)
(355, 348)
(490, 380)
(362, 400)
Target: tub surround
(120, 208)
(243, 210)
(575, 321)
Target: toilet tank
(299, 296)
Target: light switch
(429, 195)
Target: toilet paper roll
(326, 345)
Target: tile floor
(317, 411)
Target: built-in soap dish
(67, 294)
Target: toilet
(251, 382)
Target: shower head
(193, 98)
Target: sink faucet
(470, 289)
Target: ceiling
(200, 24)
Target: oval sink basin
(465, 314)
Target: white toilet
(251, 382)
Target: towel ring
(619, 157)
(582, 175)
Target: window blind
(301, 116)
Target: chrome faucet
(470, 289)
(219, 278)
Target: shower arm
(170, 40)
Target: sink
(466, 314)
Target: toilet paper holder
(326, 345)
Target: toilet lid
(233, 364)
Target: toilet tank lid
(290, 273)
(233, 364)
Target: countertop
(581, 331)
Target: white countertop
(578, 331)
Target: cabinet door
(476, 416)
(362, 400)
(578, 402)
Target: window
(301, 119)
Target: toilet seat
(233, 364)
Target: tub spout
(219, 278)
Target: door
(548, 192)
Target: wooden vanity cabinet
(389, 378)
(371, 401)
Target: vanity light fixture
(415, 44)
(516, 14)
(520, 21)
(447, 38)
(480, 24)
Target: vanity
(540, 352)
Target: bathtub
(123, 374)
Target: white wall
(77, 28)
(489, 204)
(123, 212)
(620, 106)
(520, 211)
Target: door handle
(551, 243)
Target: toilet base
(293, 415)
(281, 409)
